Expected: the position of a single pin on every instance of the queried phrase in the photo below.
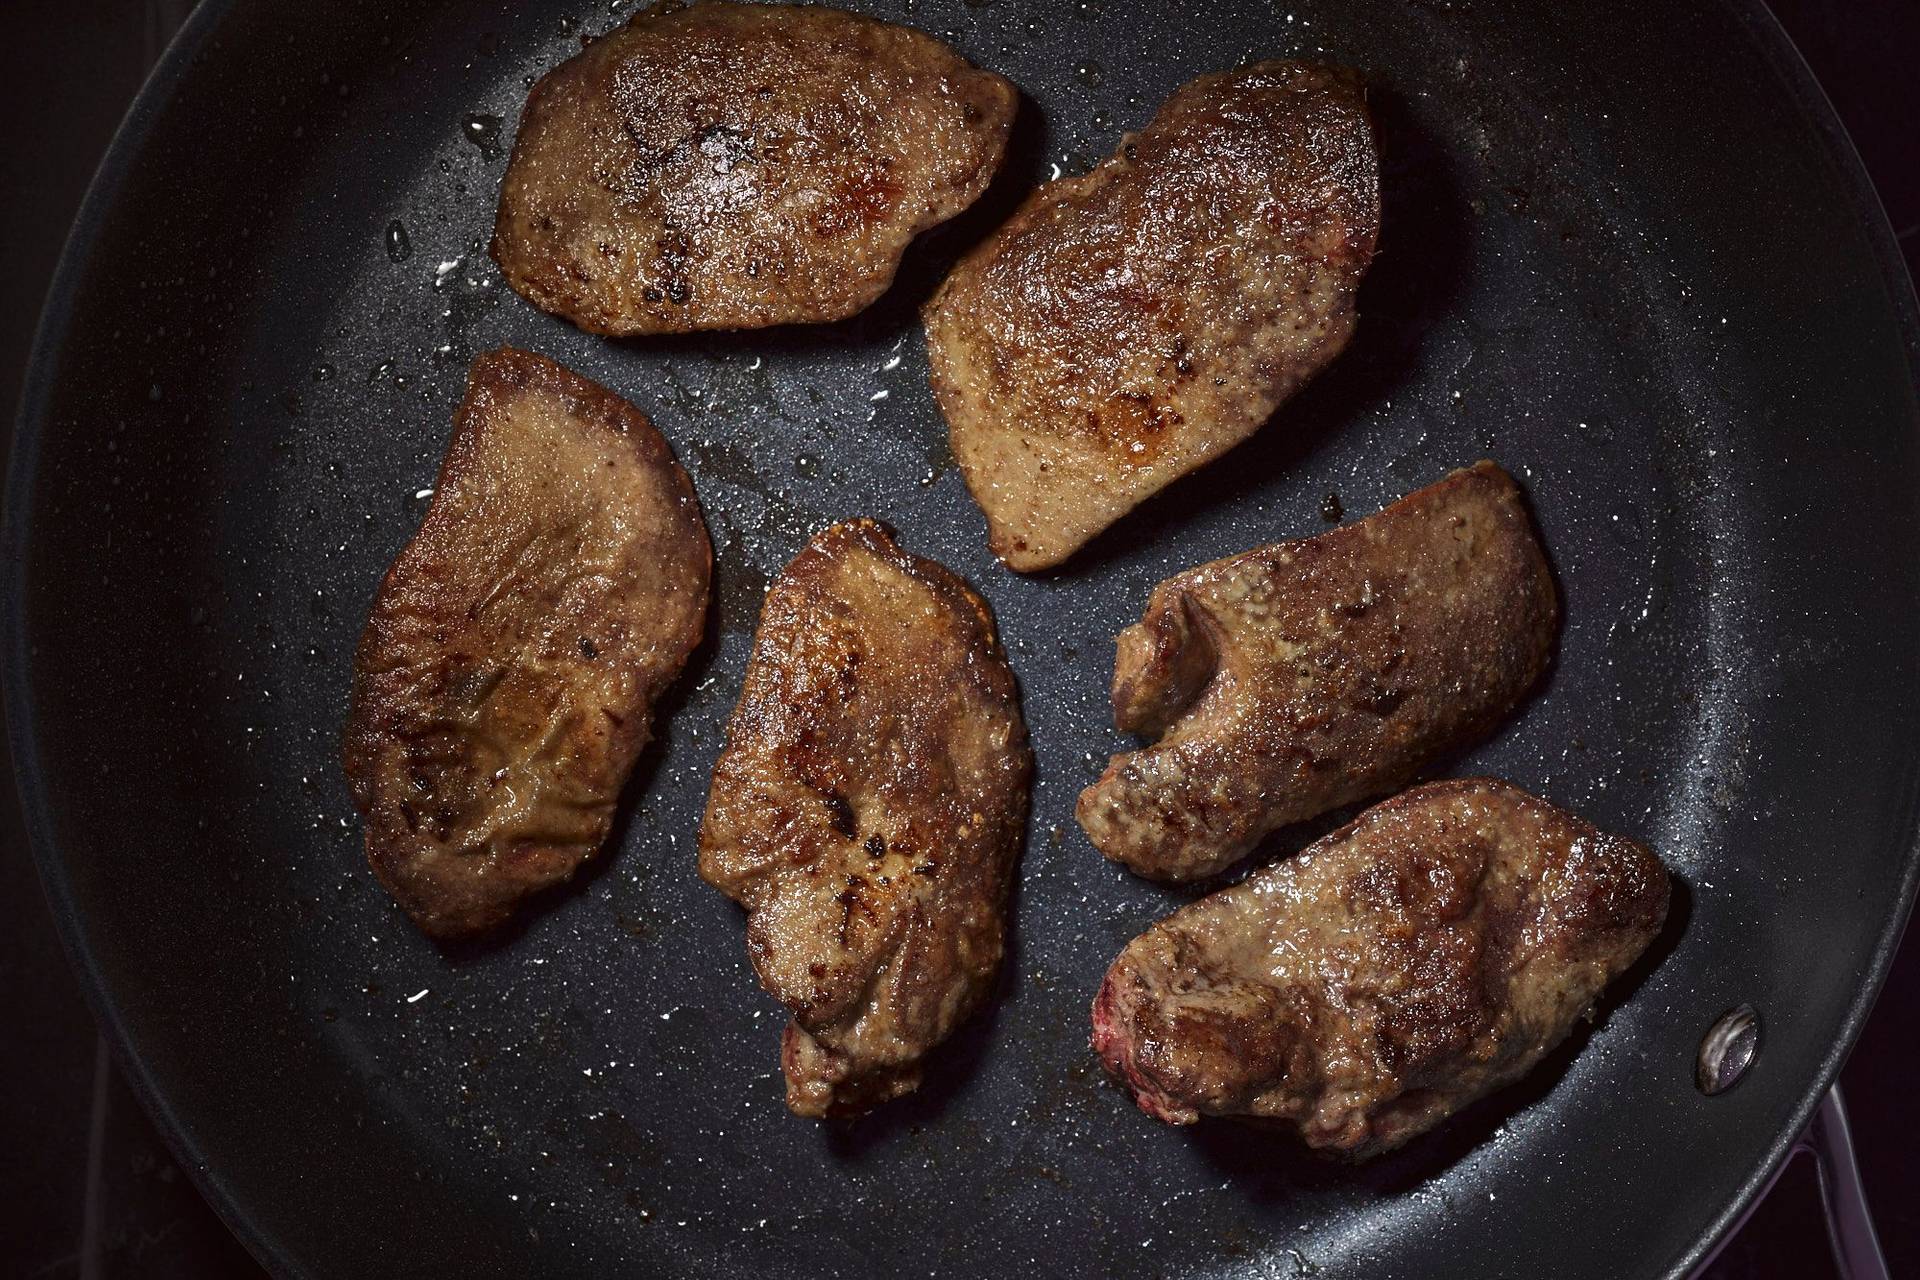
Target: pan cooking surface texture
(1621, 254)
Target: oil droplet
(1091, 74)
(1101, 120)
(399, 245)
(1627, 528)
(323, 373)
(1597, 434)
(417, 501)
(807, 465)
(1331, 509)
(483, 132)
(1089, 9)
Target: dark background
(88, 1189)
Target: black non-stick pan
(1627, 252)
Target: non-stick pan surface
(1626, 252)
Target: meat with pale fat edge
(732, 166)
(507, 675)
(1128, 325)
(1293, 679)
(868, 811)
(1406, 965)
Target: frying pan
(1627, 252)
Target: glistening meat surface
(1361, 992)
(1126, 326)
(506, 679)
(732, 166)
(868, 810)
(1296, 678)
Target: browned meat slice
(729, 166)
(507, 675)
(1296, 678)
(868, 810)
(1409, 963)
(1126, 326)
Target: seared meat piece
(507, 675)
(868, 810)
(1409, 963)
(729, 166)
(1126, 326)
(1293, 679)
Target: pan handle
(1856, 1247)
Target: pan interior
(1619, 256)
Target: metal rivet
(1728, 1049)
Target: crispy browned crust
(1411, 962)
(1299, 677)
(868, 811)
(731, 166)
(1126, 326)
(506, 678)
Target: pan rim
(1770, 41)
(28, 792)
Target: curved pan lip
(102, 193)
